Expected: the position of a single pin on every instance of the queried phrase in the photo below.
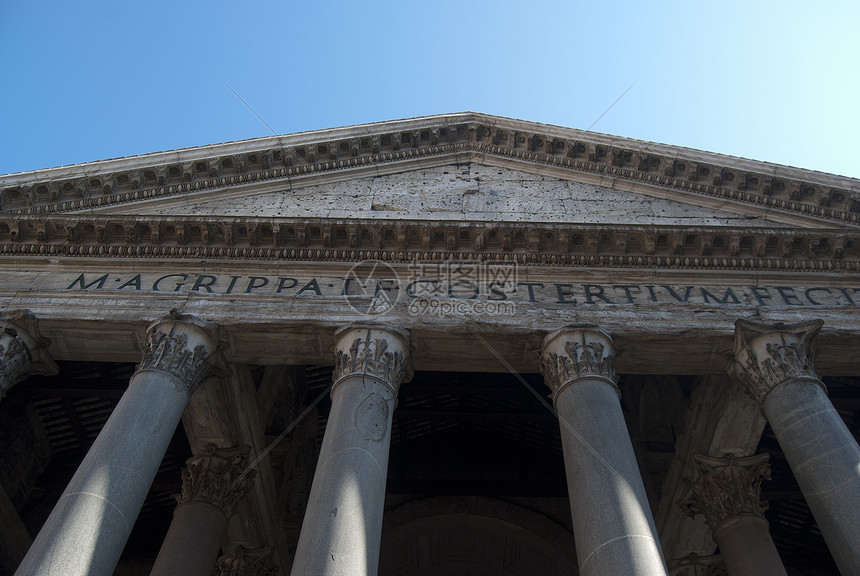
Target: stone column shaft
(775, 364)
(342, 528)
(612, 521)
(727, 491)
(212, 484)
(747, 548)
(88, 528)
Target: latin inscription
(566, 293)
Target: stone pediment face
(268, 169)
(467, 193)
(460, 186)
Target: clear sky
(85, 80)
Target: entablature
(351, 240)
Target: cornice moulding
(558, 244)
(559, 151)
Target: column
(727, 491)
(342, 528)
(22, 350)
(212, 485)
(87, 530)
(775, 364)
(612, 521)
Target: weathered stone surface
(469, 192)
(720, 419)
(664, 247)
(348, 493)
(89, 526)
(612, 520)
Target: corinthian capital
(694, 565)
(376, 351)
(766, 356)
(726, 488)
(576, 352)
(22, 350)
(217, 477)
(181, 345)
(244, 562)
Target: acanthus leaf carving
(694, 565)
(580, 353)
(15, 360)
(375, 351)
(765, 356)
(184, 350)
(217, 477)
(246, 562)
(726, 488)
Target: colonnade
(612, 521)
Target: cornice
(163, 175)
(352, 240)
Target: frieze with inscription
(567, 293)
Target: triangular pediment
(468, 192)
(466, 167)
(453, 186)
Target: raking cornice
(550, 149)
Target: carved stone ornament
(694, 565)
(181, 345)
(766, 356)
(576, 352)
(726, 488)
(376, 351)
(244, 562)
(22, 350)
(217, 477)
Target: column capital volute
(726, 489)
(373, 350)
(764, 355)
(576, 352)
(23, 351)
(219, 477)
(181, 345)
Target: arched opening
(473, 536)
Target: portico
(645, 296)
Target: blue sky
(774, 81)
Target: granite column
(342, 528)
(612, 521)
(727, 491)
(775, 364)
(212, 485)
(88, 528)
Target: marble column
(213, 482)
(727, 491)
(775, 364)
(87, 529)
(22, 350)
(342, 528)
(612, 521)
